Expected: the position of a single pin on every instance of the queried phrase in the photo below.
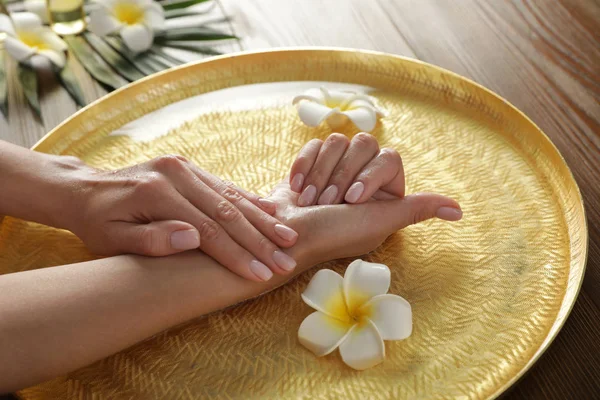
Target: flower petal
(338, 98)
(363, 347)
(364, 280)
(57, 57)
(322, 334)
(313, 94)
(154, 16)
(137, 37)
(365, 118)
(324, 293)
(312, 114)
(6, 25)
(38, 7)
(52, 40)
(102, 23)
(17, 49)
(26, 21)
(391, 314)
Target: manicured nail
(185, 240)
(308, 196)
(449, 213)
(285, 232)
(267, 204)
(260, 270)
(328, 196)
(283, 260)
(354, 193)
(297, 182)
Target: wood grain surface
(541, 55)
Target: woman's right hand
(168, 205)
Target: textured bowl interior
(488, 293)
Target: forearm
(55, 320)
(35, 186)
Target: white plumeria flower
(336, 107)
(354, 313)
(38, 7)
(27, 37)
(135, 20)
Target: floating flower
(135, 20)
(336, 107)
(354, 313)
(27, 37)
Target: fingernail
(185, 240)
(283, 260)
(449, 213)
(268, 204)
(285, 232)
(328, 196)
(308, 196)
(297, 182)
(354, 193)
(260, 270)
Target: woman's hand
(168, 205)
(340, 170)
(329, 231)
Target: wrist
(64, 189)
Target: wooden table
(543, 56)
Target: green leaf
(193, 33)
(112, 57)
(194, 48)
(159, 52)
(71, 85)
(3, 86)
(141, 61)
(29, 83)
(93, 63)
(182, 13)
(175, 5)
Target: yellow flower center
(33, 40)
(339, 105)
(129, 13)
(355, 312)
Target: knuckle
(231, 194)
(209, 230)
(337, 139)
(146, 241)
(366, 140)
(265, 245)
(150, 182)
(343, 174)
(227, 212)
(314, 142)
(390, 155)
(168, 163)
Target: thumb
(393, 215)
(159, 238)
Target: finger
(412, 209)
(330, 154)
(385, 171)
(303, 163)
(265, 223)
(233, 222)
(159, 238)
(362, 149)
